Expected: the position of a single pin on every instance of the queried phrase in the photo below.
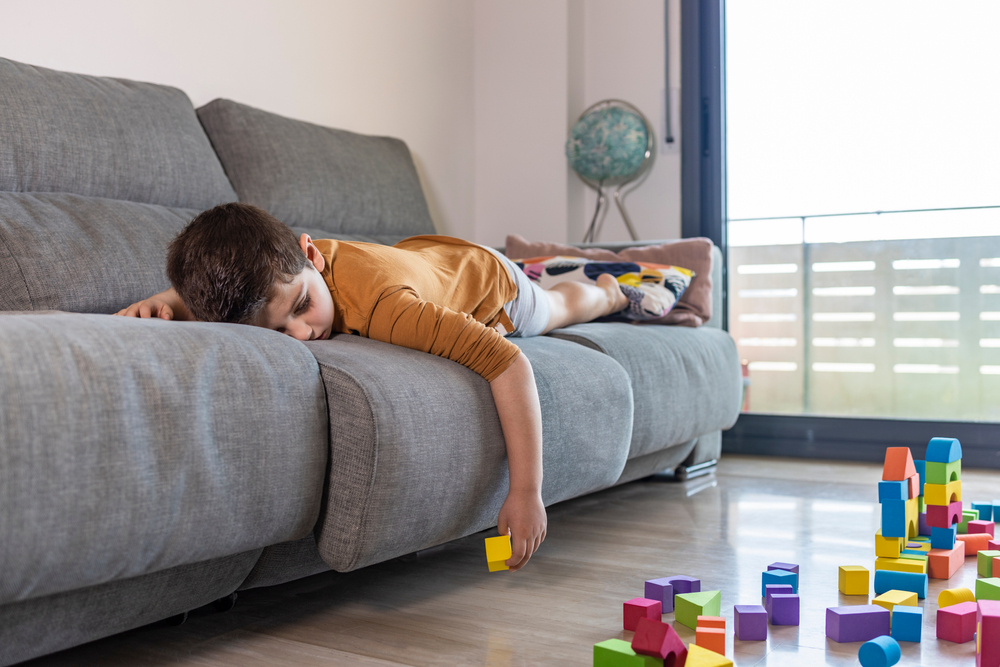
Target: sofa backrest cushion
(104, 137)
(317, 177)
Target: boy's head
(237, 263)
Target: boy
(236, 263)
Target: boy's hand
(166, 305)
(523, 515)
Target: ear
(312, 253)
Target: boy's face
(302, 308)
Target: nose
(299, 330)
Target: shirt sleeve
(402, 318)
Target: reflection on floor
(444, 608)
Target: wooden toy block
(658, 639)
(898, 464)
(943, 450)
(902, 564)
(779, 577)
(893, 490)
(879, 652)
(618, 653)
(497, 552)
(689, 606)
(963, 522)
(711, 622)
(892, 598)
(944, 563)
(985, 510)
(942, 473)
(887, 547)
(957, 623)
(974, 543)
(887, 580)
(980, 526)
(750, 623)
(637, 608)
(857, 623)
(894, 518)
(944, 538)
(906, 623)
(662, 590)
(791, 567)
(914, 490)
(988, 634)
(942, 494)
(984, 563)
(952, 596)
(942, 516)
(988, 589)
(714, 639)
(784, 609)
(702, 657)
(852, 580)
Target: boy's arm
(523, 512)
(167, 305)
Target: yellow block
(951, 596)
(890, 599)
(699, 656)
(901, 565)
(887, 547)
(941, 494)
(497, 551)
(912, 517)
(853, 580)
(918, 546)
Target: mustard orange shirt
(435, 294)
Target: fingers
(166, 312)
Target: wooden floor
(444, 608)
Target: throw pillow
(693, 308)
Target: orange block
(944, 563)
(974, 542)
(714, 639)
(898, 465)
(711, 622)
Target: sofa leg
(178, 619)
(683, 473)
(226, 603)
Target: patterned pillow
(652, 289)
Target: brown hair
(227, 261)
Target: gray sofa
(151, 467)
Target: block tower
(898, 493)
(943, 499)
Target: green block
(921, 507)
(984, 562)
(920, 538)
(967, 516)
(913, 555)
(689, 606)
(988, 589)
(619, 653)
(942, 473)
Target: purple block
(662, 590)
(751, 622)
(857, 623)
(791, 567)
(683, 583)
(922, 527)
(784, 609)
(771, 589)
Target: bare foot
(616, 298)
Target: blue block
(922, 471)
(943, 538)
(906, 623)
(893, 491)
(985, 510)
(879, 652)
(894, 518)
(779, 577)
(889, 580)
(943, 450)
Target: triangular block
(898, 464)
(702, 657)
(658, 639)
(689, 606)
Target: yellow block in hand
(498, 551)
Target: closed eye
(304, 306)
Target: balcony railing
(900, 327)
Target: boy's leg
(573, 302)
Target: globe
(608, 143)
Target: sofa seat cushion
(103, 137)
(686, 382)
(131, 446)
(417, 456)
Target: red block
(957, 623)
(944, 516)
(659, 639)
(711, 622)
(993, 545)
(637, 608)
(914, 485)
(981, 527)
(974, 543)
(714, 639)
(898, 465)
(944, 563)
(988, 627)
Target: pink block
(637, 608)
(981, 527)
(944, 516)
(988, 622)
(957, 623)
(660, 640)
(993, 545)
